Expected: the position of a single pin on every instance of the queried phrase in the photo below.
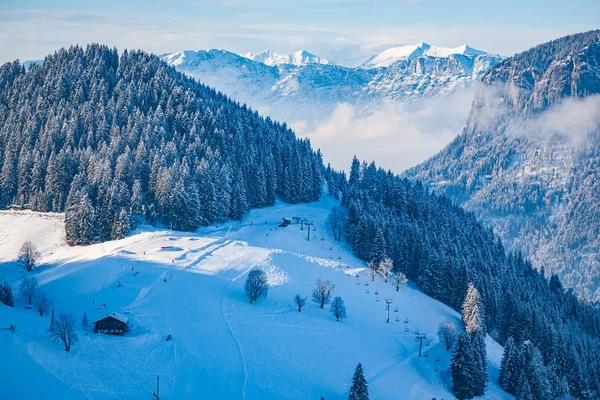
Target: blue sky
(340, 30)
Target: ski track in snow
(190, 285)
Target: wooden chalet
(113, 324)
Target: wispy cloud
(573, 119)
(397, 137)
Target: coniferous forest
(551, 339)
(104, 137)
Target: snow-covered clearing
(222, 347)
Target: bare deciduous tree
(42, 302)
(385, 268)
(322, 292)
(338, 309)
(28, 288)
(448, 333)
(299, 300)
(28, 256)
(337, 222)
(399, 280)
(256, 285)
(65, 330)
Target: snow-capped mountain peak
(300, 57)
(390, 56)
(301, 83)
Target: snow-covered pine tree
(472, 311)
(359, 389)
(509, 367)
(480, 377)
(8, 177)
(260, 191)
(379, 250)
(524, 390)
(121, 225)
(354, 178)
(6, 295)
(536, 372)
(469, 361)
(223, 191)
(239, 203)
(137, 198)
(462, 368)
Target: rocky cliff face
(528, 159)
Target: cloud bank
(395, 137)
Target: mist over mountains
(527, 161)
(407, 87)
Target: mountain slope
(102, 136)
(222, 346)
(300, 57)
(390, 56)
(301, 86)
(527, 160)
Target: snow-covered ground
(222, 347)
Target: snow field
(222, 346)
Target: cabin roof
(115, 315)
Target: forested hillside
(527, 160)
(552, 338)
(103, 136)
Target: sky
(343, 31)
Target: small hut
(285, 222)
(113, 324)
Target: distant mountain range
(301, 85)
(528, 160)
(298, 58)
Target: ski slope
(222, 347)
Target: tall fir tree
(359, 389)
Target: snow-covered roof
(115, 315)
